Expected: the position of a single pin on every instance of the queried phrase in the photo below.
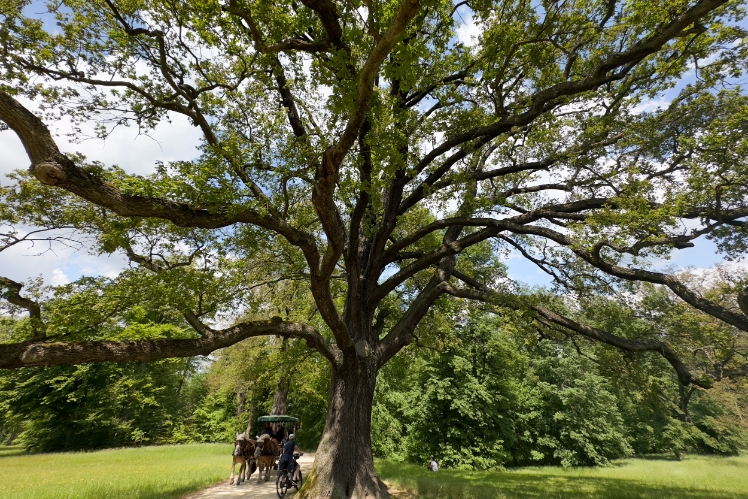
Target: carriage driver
(287, 458)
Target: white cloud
(363, 12)
(469, 31)
(57, 265)
(59, 278)
(12, 154)
(136, 153)
(649, 106)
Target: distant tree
(91, 406)
(362, 148)
(497, 393)
(670, 415)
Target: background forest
(482, 387)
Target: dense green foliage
(498, 394)
(95, 405)
(92, 406)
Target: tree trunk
(251, 419)
(280, 401)
(344, 466)
(12, 437)
(241, 400)
(684, 397)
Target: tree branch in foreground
(39, 353)
(51, 167)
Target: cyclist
(287, 461)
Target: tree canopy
(363, 155)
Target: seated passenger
(280, 434)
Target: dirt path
(250, 488)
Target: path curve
(250, 488)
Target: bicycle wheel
(281, 484)
(298, 483)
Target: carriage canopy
(278, 419)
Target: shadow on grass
(530, 485)
(658, 457)
(175, 493)
(11, 450)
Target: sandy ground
(251, 488)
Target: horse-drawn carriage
(262, 452)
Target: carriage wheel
(281, 484)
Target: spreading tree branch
(38, 353)
(614, 67)
(481, 292)
(51, 167)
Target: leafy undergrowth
(696, 477)
(143, 473)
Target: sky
(138, 154)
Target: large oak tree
(362, 149)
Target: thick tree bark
(40, 353)
(344, 466)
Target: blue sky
(703, 255)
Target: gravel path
(251, 488)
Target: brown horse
(267, 452)
(243, 455)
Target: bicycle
(284, 481)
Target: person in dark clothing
(280, 434)
(268, 430)
(287, 460)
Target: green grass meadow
(695, 477)
(143, 473)
(176, 470)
